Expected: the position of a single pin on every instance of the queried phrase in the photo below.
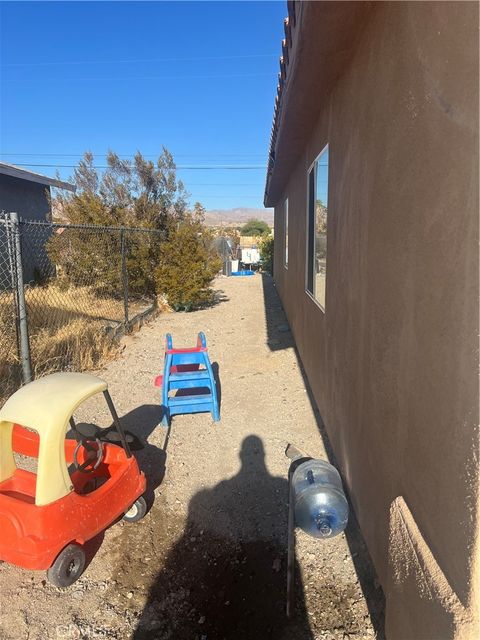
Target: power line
(79, 62)
(225, 184)
(228, 195)
(144, 155)
(178, 166)
(194, 194)
(128, 78)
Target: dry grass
(79, 345)
(54, 306)
(67, 329)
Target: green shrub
(137, 193)
(266, 253)
(255, 227)
(187, 266)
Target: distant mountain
(237, 217)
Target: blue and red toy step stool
(187, 369)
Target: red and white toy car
(81, 486)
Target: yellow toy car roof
(46, 406)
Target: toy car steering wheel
(93, 455)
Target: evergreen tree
(137, 193)
(188, 263)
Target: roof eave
(24, 174)
(320, 39)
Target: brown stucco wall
(393, 362)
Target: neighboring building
(28, 194)
(373, 174)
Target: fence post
(10, 249)
(21, 307)
(124, 280)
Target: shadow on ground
(362, 561)
(280, 337)
(140, 422)
(152, 460)
(226, 577)
(219, 296)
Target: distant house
(28, 194)
(373, 174)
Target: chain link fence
(66, 292)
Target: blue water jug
(321, 508)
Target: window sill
(315, 301)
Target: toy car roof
(46, 406)
(47, 403)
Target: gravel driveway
(209, 560)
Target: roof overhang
(320, 38)
(24, 174)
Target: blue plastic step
(190, 380)
(188, 358)
(189, 375)
(203, 380)
(177, 401)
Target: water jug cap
(324, 525)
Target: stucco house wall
(393, 360)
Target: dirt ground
(208, 562)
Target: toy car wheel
(136, 511)
(68, 566)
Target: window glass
(317, 228)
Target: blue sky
(197, 77)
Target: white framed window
(317, 211)
(285, 231)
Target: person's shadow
(152, 460)
(225, 578)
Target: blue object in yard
(321, 508)
(188, 369)
(245, 272)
